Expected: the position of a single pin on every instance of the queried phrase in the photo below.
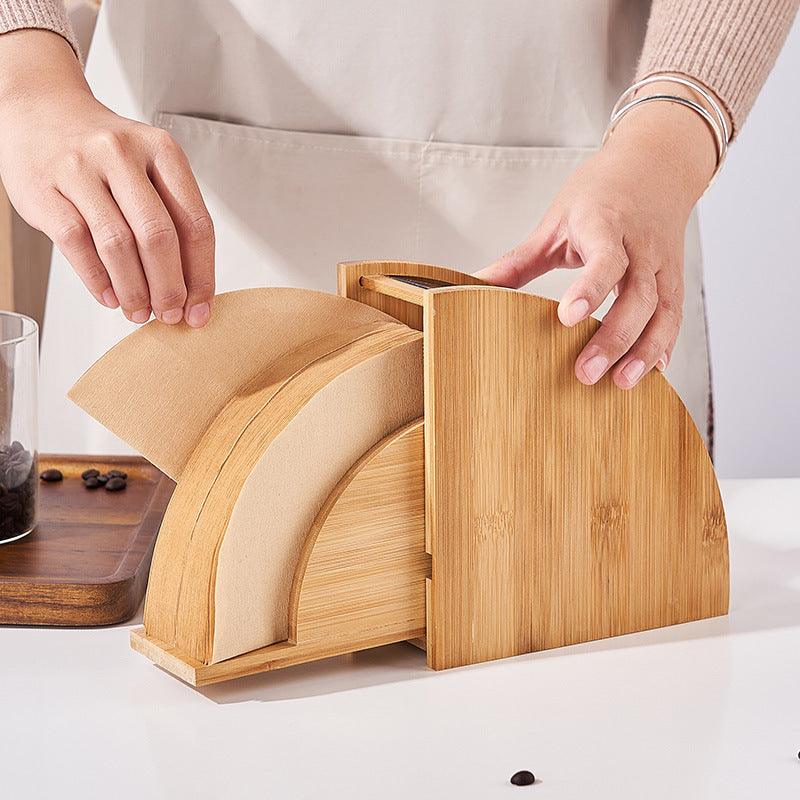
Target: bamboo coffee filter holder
(410, 460)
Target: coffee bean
(18, 479)
(52, 475)
(523, 778)
(102, 479)
(115, 484)
(9, 502)
(90, 473)
(115, 473)
(91, 482)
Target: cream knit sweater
(728, 45)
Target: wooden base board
(276, 656)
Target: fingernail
(632, 371)
(110, 299)
(172, 316)
(575, 312)
(595, 367)
(662, 362)
(140, 316)
(198, 315)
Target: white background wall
(750, 222)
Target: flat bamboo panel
(400, 304)
(556, 512)
(265, 659)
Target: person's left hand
(622, 214)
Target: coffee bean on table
(115, 484)
(52, 475)
(115, 473)
(91, 482)
(90, 473)
(102, 479)
(523, 778)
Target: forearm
(728, 46)
(47, 15)
(35, 63)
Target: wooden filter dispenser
(412, 459)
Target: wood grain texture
(87, 561)
(392, 287)
(363, 566)
(556, 513)
(360, 581)
(402, 304)
(265, 659)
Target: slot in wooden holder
(527, 511)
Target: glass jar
(19, 418)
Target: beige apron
(320, 132)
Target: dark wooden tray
(87, 561)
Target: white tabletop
(706, 710)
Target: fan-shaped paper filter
(160, 388)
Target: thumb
(528, 260)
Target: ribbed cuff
(727, 45)
(49, 15)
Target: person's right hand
(117, 197)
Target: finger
(664, 359)
(156, 239)
(620, 328)
(69, 232)
(602, 251)
(173, 179)
(658, 337)
(114, 242)
(536, 255)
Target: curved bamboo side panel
(181, 601)
(360, 578)
(366, 550)
(556, 512)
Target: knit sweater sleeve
(47, 15)
(728, 45)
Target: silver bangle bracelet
(668, 77)
(721, 143)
